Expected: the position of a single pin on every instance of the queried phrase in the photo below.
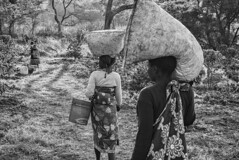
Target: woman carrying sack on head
(104, 88)
(163, 111)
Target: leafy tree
(213, 22)
(226, 14)
(8, 60)
(66, 14)
(15, 11)
(74, 49)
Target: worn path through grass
(44, 131)
(39, 128)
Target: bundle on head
(165, 64)
(152, 33)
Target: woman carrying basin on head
(104, 88)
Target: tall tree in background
(212, 22)
(66, 14)
(111, 12)
(14, 11)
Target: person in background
(104, 89)
(163, 110)
(34, 57)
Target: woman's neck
(163, 81)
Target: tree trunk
(56, 18)
(59, 28)
(33, 26)
(1, 24)
(108, 14)
(11, 28)
(108, 21)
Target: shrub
(8, 59)
(211, 60)
(139, 76)
(231, 63)
(98, 25)
(134, 76)
(47, 32)
(74, 49)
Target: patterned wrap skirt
(104, 120)
(34, 61)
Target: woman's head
(106, 61)
(161, 67)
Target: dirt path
(46, 132)
(39, 129)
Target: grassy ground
(34, 123)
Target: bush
(74, 49)
(47, 32)
(134, 76)
(139, 76)
(94, 26)
(231, 63)
(8, 60)
(212, 60)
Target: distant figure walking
(104, 88)
(35, 57)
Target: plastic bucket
(80, 111)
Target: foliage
(12, 13)
(47, 32)
(211, 60)
(231, 62)
(94, 26)
(137, 77)
(134, 76)
(8, 59)
(74, 49)
(66, 13)
(213, 22)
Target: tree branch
(55, 11)
(68, 16)
(65, 8)
(69, 4)
(235, 36)
(122, 8)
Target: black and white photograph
(119, 79)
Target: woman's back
(155, 95)
(106, 80)
(102, 79)
(151, 103)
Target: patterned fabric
(102, 97)
(34, 53)
(34, 61)
(104, 120)
(169, 140)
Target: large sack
(153, 33)
(105, 42)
